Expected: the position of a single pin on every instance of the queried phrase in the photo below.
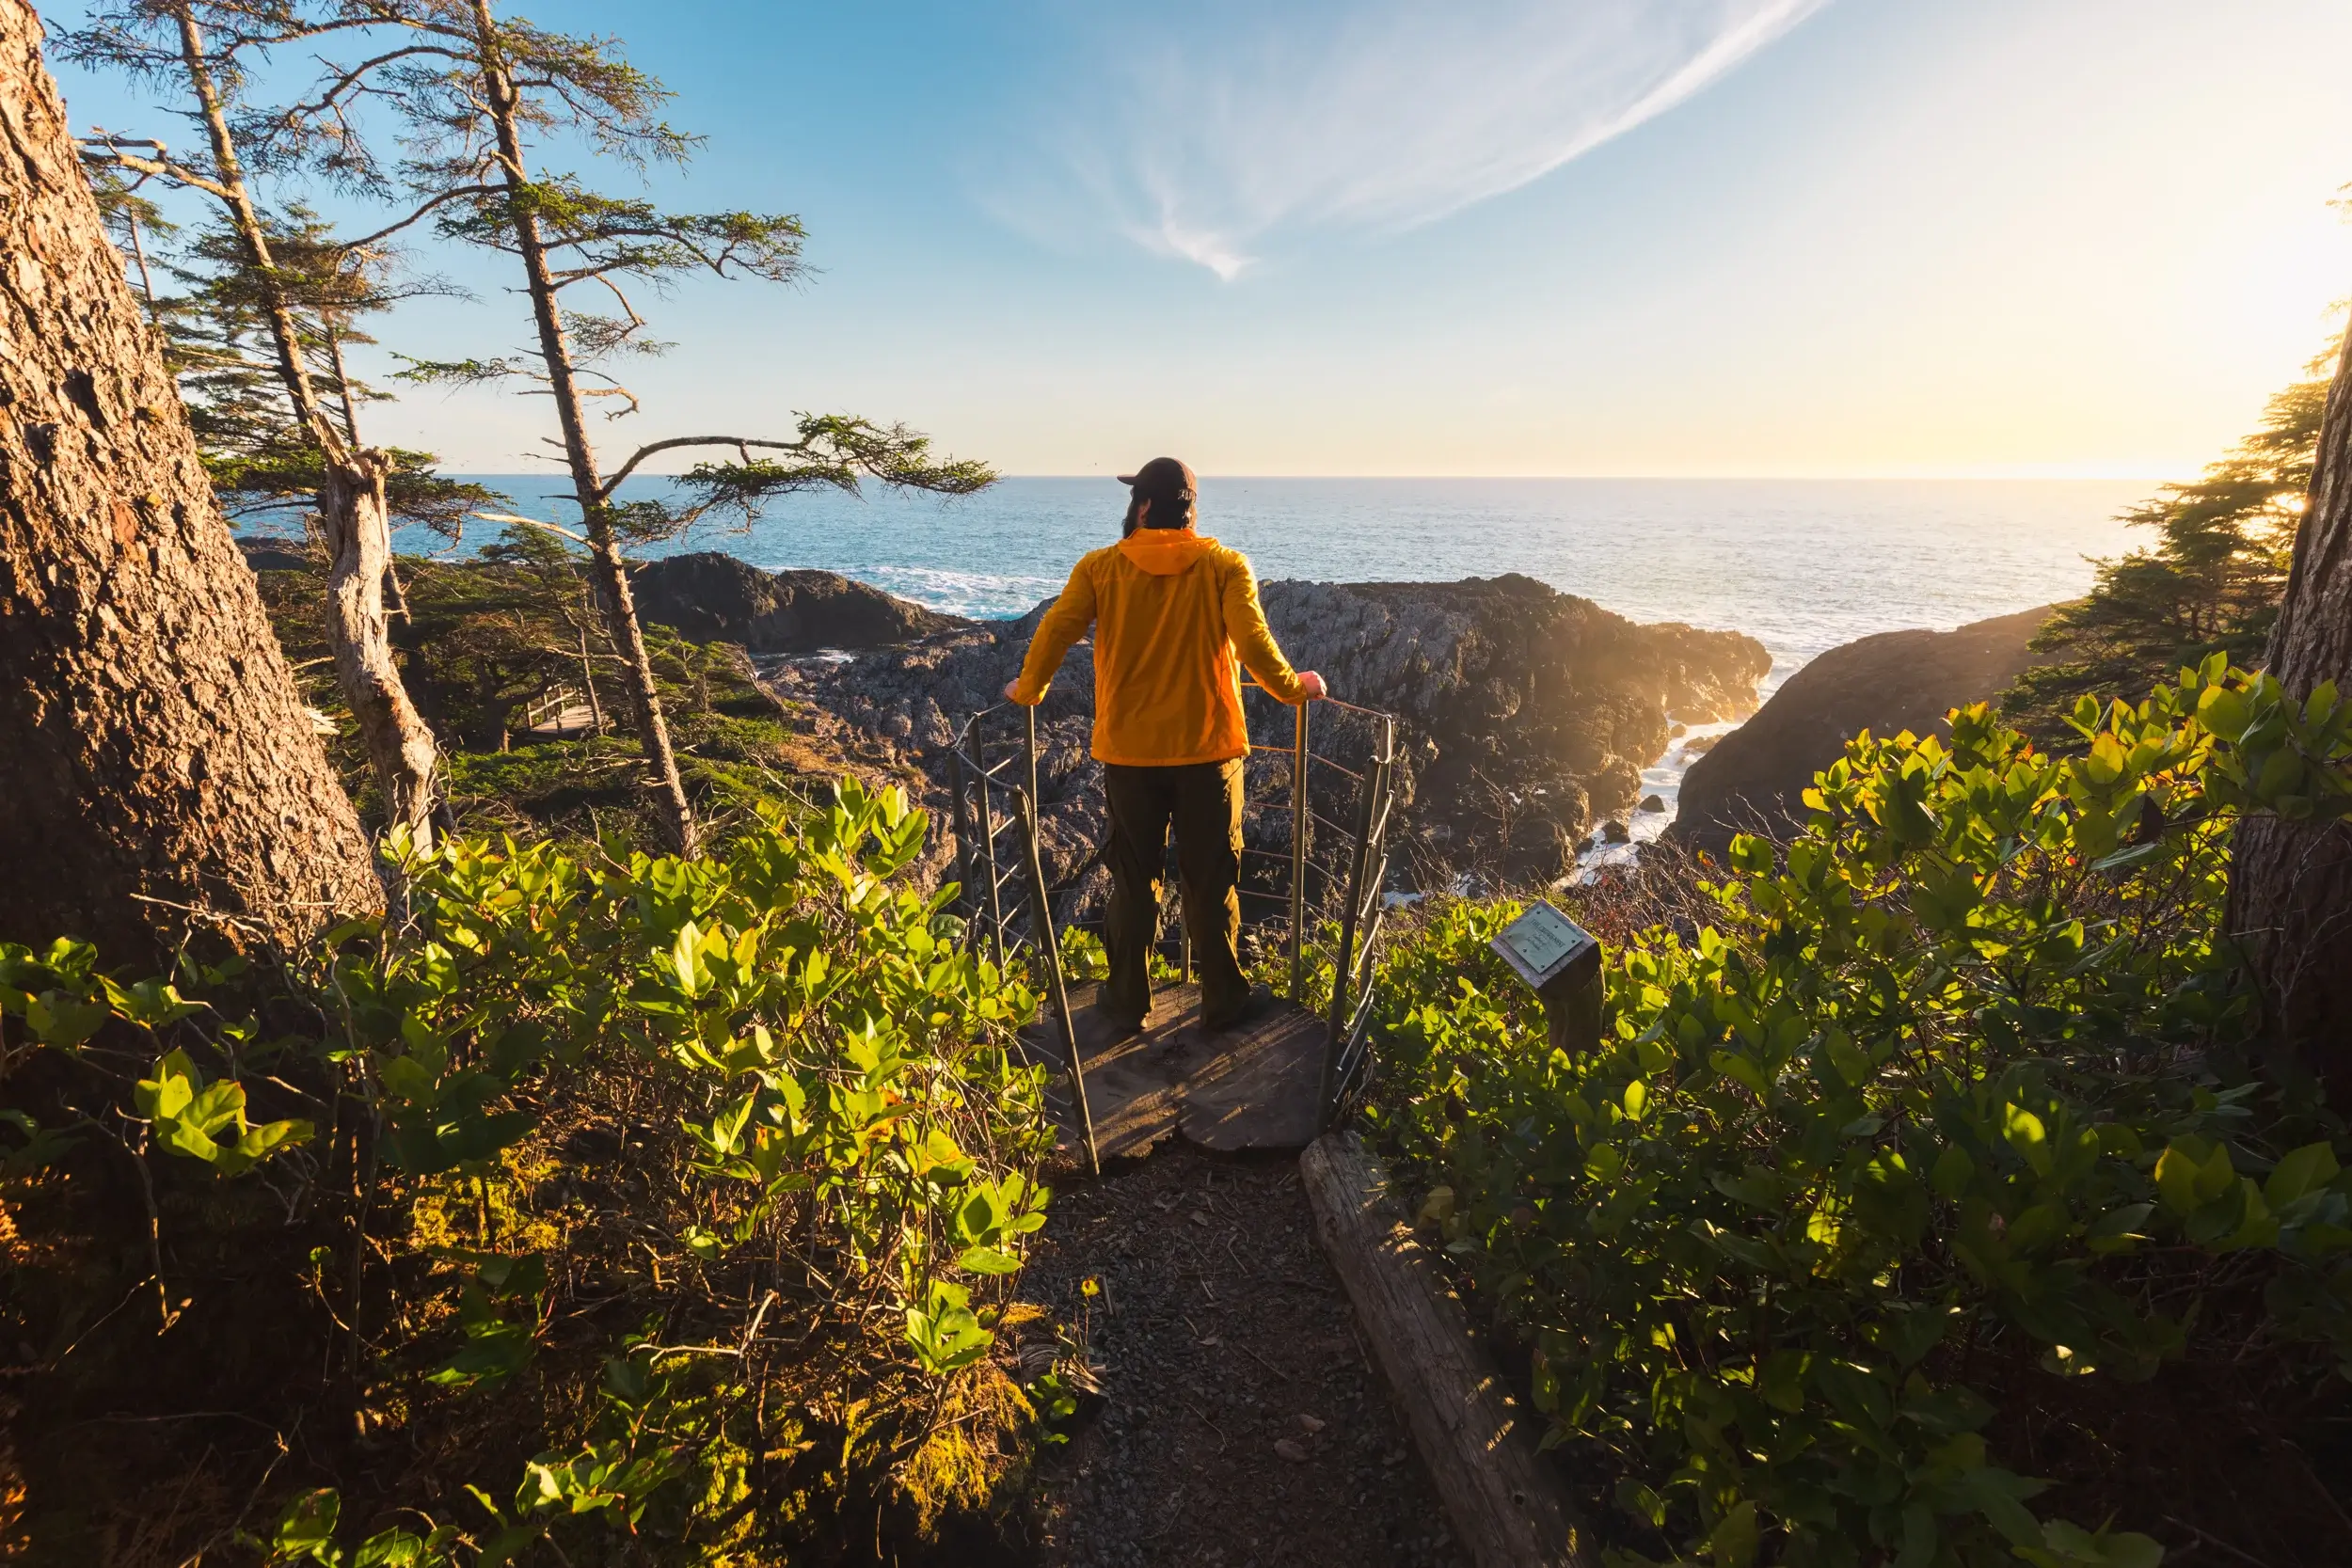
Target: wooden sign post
(1560, 961)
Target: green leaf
(2131, 855)
(988, 1259)
(168, 1092)
(1999, 1496)
(1954, 1170)
(2222, 711)
(1919, 1538)
(2068, 1546)
(1544, 1383)
(1755, 1187)
(945, 1334)
(1781, 1380)
(307, 1529)
(2299, 1171)
(1734, 1540)
(685, 960)
(2025, 1134)
(259, 1143)
(61, 1021)
(2191, 1173)
(2117, 1229)
(392, 1548)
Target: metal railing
(1317, 879)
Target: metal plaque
(1543, 944)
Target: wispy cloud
(1207, 129)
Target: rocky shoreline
(1528, 714)
(1527, 717)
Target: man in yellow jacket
(1176, 619)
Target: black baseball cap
(1164, 476)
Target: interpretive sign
(1561, 964)
(1543, 944)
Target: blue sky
(1491, 237)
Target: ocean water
(1800, 565)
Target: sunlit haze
(1504, 237)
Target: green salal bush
(859, 1136)
(1951, 1078)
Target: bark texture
(2291, 883)
(152, 744)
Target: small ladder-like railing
(1328, 879)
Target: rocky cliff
(1527, 712)
(712, 597)
(1752, 780)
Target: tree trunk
(2291, 883)
(606, 568)
(358, 541)
(153, 745)
(350, 502)
(588, 681)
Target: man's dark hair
(1172, 489)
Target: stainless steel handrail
(975, 853)
(1354, 902)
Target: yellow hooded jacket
(1171, 609)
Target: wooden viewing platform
(561, 712)
(1252, 1087)
(566, 724)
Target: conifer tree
(280, 301)
(2211, 581)
(478, 93)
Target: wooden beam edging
(1479, 1443)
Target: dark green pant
(1203, 800)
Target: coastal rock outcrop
(711, 597)
(1532, 712)
(1527, 713)
(268, 554)
(1752, 779)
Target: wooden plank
(1476, 1440)
(1245, 1089)
(1133, 1084)
(1259, 1091)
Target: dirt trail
(1241, 1423)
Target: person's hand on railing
(1313, 685)
(1011, 686)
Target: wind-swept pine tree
(2210, 583)
(477, 93)
(280, 302)
(260, 456)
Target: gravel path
(1241, 1423)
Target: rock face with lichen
(1527, 713)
